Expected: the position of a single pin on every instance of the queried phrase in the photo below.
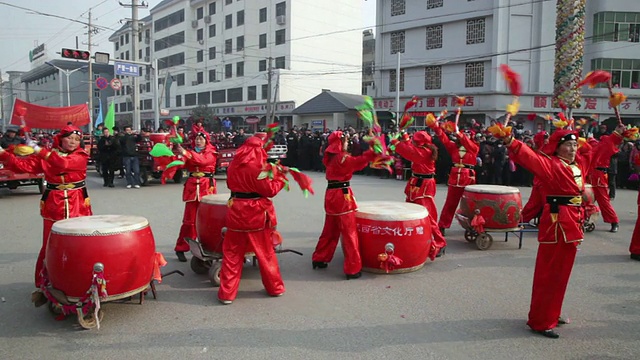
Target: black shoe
(111, 185)
(319, 265)
(354, 276)
(441, 252)
(614, 228)
(563, 321)
(104, 185)
(548, 333)
(181, 256)
(635, 257)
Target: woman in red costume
(65, 170)
(201, 164)
(421, 188)
(251, 220)
(533, 207)
(561, 172)
(340, 206)
(599, 179)
(634, 247)
(464, 153)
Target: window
(397, 42)
(180, 79)
(172, 60)
(240, 43)
(281, 8)
(140, 54)
(262, 42)
(263, 15)
(616, 26)
(178, 100)
(228, 22)
(126, 55)
(392, 80)
(432, 77)
(199, 13)
(397, 7)
(169, 41)
(96, 94)
(228, 2)
(474, 74)
(117, 46)
(212, 30)
(204, 98)
(625, 73)
(212, 75)
(262, 65)
(200, 77)
(280, 37)
(200, 35)
(240, 69)
(434, 37)
(475, 31)
(190, 99)
(264, 90)
(228, 46)
(252, 93)
(228, 71)
(212, 8)
(280, 63)
(218, 96)
(200, 56)
(240, 18)
(126, 38)
(212, 53)
(147, 87)
(432, 4)
(234, 95)
(168, 21)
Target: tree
(207, 115)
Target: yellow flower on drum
(617, 99)
(513, 108)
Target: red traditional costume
(421, 188)
(464, 160)
(251, 221)
(537, 199)
(340, 207)
(66, 194)
(599, 179)
(634, 247)
(560, 228)
(201, 165)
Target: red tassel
(478, 222)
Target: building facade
(368, 60)
(219, 53)
(12, 88)
(446, 48)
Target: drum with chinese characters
(210, 220)
(393, 230)
(499, 206)
(123, 244)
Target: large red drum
(123, 244)
(500, 206)
(405, 225)
(159, 138)
(210, 221)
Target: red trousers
(438, 239)
(550, 279)
(188, 228)
(46, 230)
(602, 198)
(634, 248)
(234, 247)
(454, 194)
(334, 226)
(533, 207)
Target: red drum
(500, 206)
(405, 225)
(123, 244)
(159, 138)
(210, 221)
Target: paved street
(470, 304)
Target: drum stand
(484, 240)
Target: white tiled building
(217, 53)
(454, 47)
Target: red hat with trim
(204, 134)
(539, 138)
(251, 151)
(65, 132)
(557, 138)
(421, 138)
(335, 142)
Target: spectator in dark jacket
(130, 157)
(108, 147)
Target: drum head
(99, 225)
(492, 189)
(390, 211)
(216, 199)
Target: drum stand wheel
(54, 309)
(89, 321)
(198, 266)
(470, 235)
(589, 226)
(214, 273)
(484, 241)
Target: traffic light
(75, 54)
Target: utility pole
(90, 32)
(269, 76)
(4, 120)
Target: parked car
(11, 179)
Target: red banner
(44, 117)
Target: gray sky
(21, 31)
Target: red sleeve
(269, 187)
(468, 144)
(206, 158)
(606, 148)
(444, 138)
(540, 165)
(76, 161)
(413, 153)
(356, 163)
(30, 164)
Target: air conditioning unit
(147, 41)
(194, 24)
(147, 59)
(194, 83)
(207, 19)
(281, 19)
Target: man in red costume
(599, 179)
(201, 164)
(421, 188)
(340, 206)
(65, 170)
(533, 207)
(251, 220)
(464, 153)
(560, 232)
